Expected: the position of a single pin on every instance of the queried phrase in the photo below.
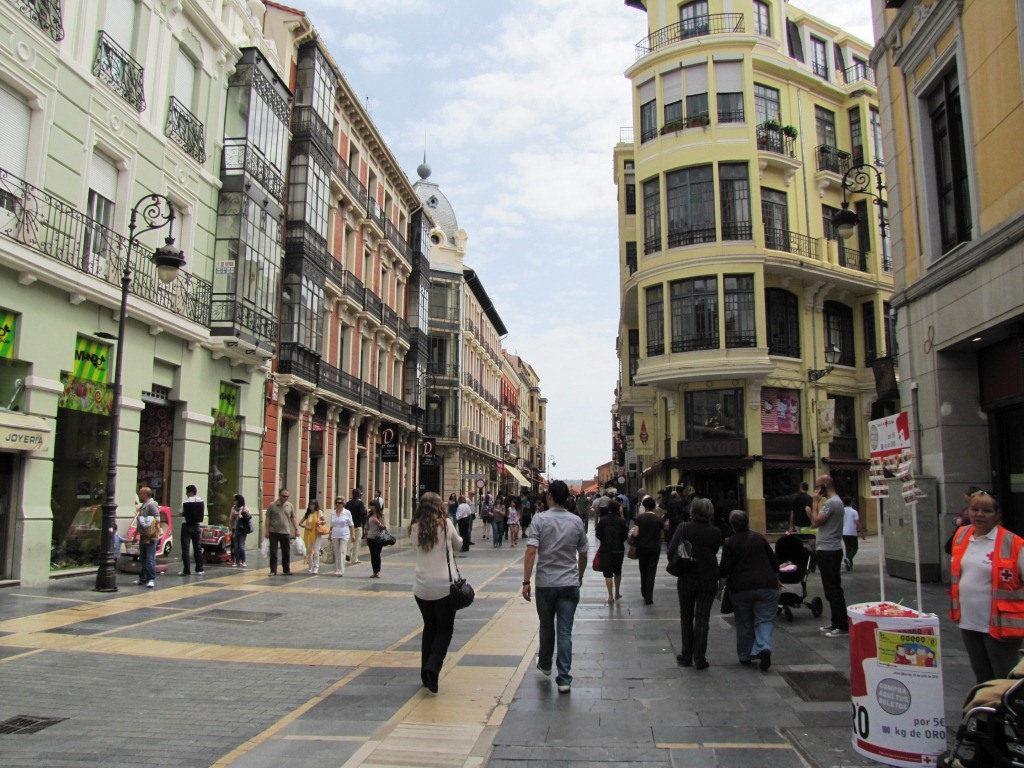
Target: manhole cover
(26, 724)
(242, 617)
(818, 686)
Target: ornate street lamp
(551, 464)
(857, 180)
(832, 355)
(424, 382)
(168, 260)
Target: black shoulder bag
(462, 594)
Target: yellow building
(726, 314)
(950, 74)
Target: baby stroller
(991, 734)
(790, 549)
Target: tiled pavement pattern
(240, 669)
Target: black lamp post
(156, 212)
(857, 181)
(832, 354)
(424, 382)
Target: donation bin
(896, 684)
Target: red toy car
(216, 541)
(163, 546)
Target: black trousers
(375, 547)
(284, 541)
(648, 562)
(190, 535)
(438, 627)
(851, 545)
(465, 528)
(829, 563)
(696, 596)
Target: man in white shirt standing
(851, 529)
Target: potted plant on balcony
(790, 131)
(672, 126)
(700, 120)
(771, 124)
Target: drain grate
(26, 724)
(818, 686)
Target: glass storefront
(223, 481)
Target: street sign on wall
(389, 444)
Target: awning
(656, 466)
(19, 432)
(715, 462)
(787, 462)
(523, 482)
(850, 465)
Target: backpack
(153, 532)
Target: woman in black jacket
(612, 531)
(698, 586)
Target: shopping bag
(298, 547)
(265, 547)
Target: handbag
(596, 565)
(460, 592)
(323, 529)
(386, 539)
(726, 601)
(683, 560)
(631, 553)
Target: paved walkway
(241, 669)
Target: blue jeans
(497, 531)
(147, 561)
(754, 612)
(556, 608)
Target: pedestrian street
(241, 669)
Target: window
(734, 200)
(714, 414)
(839, 330)
(775, 218)
(828, 223)
(950, 157)
(762, 19)
(846, 424)
(693, 19)
(740, 330)
(766, 104)
(796, 46)
(825, 125)
(309, 197)
(783, 323)
(819, 57)
(655, 321)
(696, 86)
(867, 310)
(876, 136)
(696, 108)
(101, 246)
(691, 206)
(119, 23)
(889, 328)
(315, 85)
(633, 353)
(439, 302)
(652, 216)
(185, 80)
(695, 314)
(630, 184)
(730, 108)
(648, 112)
(15, 125)
(672, 88)
(631, 256)
(856, 136)
(729, 85)
(883, 213)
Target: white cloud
(377, 53)
(377, 8)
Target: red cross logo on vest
(1006, 575)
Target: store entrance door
(7, 463)
(1008, 464)
(721, 486)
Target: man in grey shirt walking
(558, 544)
(827, 516)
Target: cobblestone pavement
(241, 669)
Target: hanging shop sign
(389, 444)
(91, 358)
(8, 327)
(826, 421)
(86, 396)
(225, 416)
(644, 443)
(428, 453)
(19, 432)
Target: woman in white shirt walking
(341, 532)
(436, 540)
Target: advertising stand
(896, 684)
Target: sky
(518, 106)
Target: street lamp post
(424, 382)
(168, 260)
(832, 355)
(551, 463)
(857, 180)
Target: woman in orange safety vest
(987, 592)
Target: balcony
(354, 289)
(859, 73)
(784, 345)
(231, 317)
(831, 159)
(712, 24)
(790, 242)
(443, 431)
(306, 123)
(771, 138)
(375, 215)
(391, 320)
(397, 240)
(851, 258)
(626, 134)
(693, 343)
(350, 180)
(120, 71)
(304, 241)
(50, 227)
(45, 14)
(374, 306)
(241, 158)
(656, 348)
(295, 360)
(447, 374)
(185, 130)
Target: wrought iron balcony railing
(791, 242)
(770, 138)
(354, 288)
(655, 348)
(784, 345)
(832, 159)
(306, 122)
(820, 69)
(120, 71)
(690, 236)
(626, 134)
(712, 24)
(350, 179)
(185, 130)
(858, 72)
(241, 157)
(691, 343)
(54, 229)
(396, 239)
(46, 15)
(228, 315)
(851, 258)
(740, 339)
(374, 306)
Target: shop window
(714, 414)
(780, 411)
